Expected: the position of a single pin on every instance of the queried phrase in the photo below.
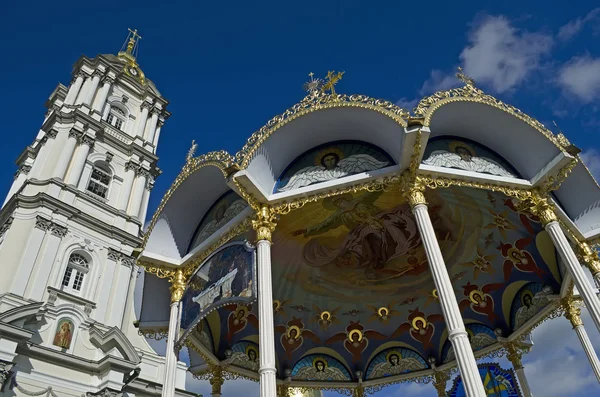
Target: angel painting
(331, 165)
(325, 318)
(239, 319)
(222, 213)
(375, 236)
(516, 257)
(420, 328)
(479, 300)
(464, 157)
(481, 264)
(320, 370)
(531, 304)
(383, 314)
(246, 359)
(395, 364)
(526, 217)
(356, 339)
(293, 334)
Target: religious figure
(463, 157)
(531, 304)
(320, 370)
(375, 236)
(479, 300)
(420, 328)
(292, 335)
(325, 318)
(223, 213)
(395, 364)
(356, 339)
(246, 359)
(64, 334)
(332, 165)
(518, 258)
(239, 319)
(383, 314)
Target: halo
(434, 293)
(383, 311)
(472, 296)
(321, 359)
(241, 309)
(510, 252)
(353, 332)
(417, 319)
(391, 353)
(323, 315)
(289, 331)
(456, 144)
(250, 347)
(524, 294)
(276, 305)
(321, 153)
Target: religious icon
(246, 358)
(531, 304)
(383, 313)
(420, 328)
(480, 300)
(320, 370)
(464, 157)
(518, 258)
(356, 339)
(239, 319)
(325, 318)
(293, 334)
(64, 334)
(331, 164)
(395, 364)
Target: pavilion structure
(371, 246)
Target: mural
(320, 367)
(497, 382)
(465, 155)
(530, 300)
(222, 211)
(331, 161)
(479, 336)
(63, 334)
(226, 276)
(352, 282)
(395, 361)
(245, 355)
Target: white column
(138, 192)
(141, 125)
(102, 95)
(264, 227)
(74, 89)
(152, 125)
(129, 298)
(514, 354)
(30, 256)
(573, 314)
(457, 333)
(157, 134)
(20, 178)
(127, 186)
(42, 278)
(523, 382)
(92, 89)
(106, 284)
(66, 155)
(177, 288)
(84, 90)
(79, 162)
(146, 199)
(570, 259)
(42, 155)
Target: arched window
(77, 268)
(116, 117)
(100, 180)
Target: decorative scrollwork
(433, 182)
(347, 391)
(422, 379)
(155, 333)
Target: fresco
(331, 161)
(320, 367)
(245, 354)
(352, 283)
(224, 209)
(466, 155)
(64, 334)
(395, 361)
(530, 300)
(229, 275)
(497, 382)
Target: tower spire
(130, 46)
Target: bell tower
(69, 225)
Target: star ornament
(313, 85)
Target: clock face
(133, 71)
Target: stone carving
(58, 231)
(41, 223)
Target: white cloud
(573, 27)
(437, 81)
(501, 55)
(581, 78)
(591, 158)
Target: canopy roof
(353, 295)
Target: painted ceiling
(353, 291)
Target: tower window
(76, 269)
(100, 180)
(116, 117)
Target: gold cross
(134, 34)
(464, 78)
(332, 79)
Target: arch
(75, 247)
(529, 301)
(394, 361)
(117, 101)
(358, 156)
(320, 367)
(100, 180)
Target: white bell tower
(68, 227)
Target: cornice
(14, 333)
(60, 92)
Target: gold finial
(332, 79)
(313, 85)
(132, 39)
(192, 150)
(464, 78)
(129, 48)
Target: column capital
(539, 205)
(88, 140)
(514, 355)
(160, 122)
(589, 257)
(216, 378)
(415, 194)
(156, 111)
(130, 165)
(42, 223)
(97, 73)
(178, 283)
(107, 79)
(572, 311)
(51, 134)
(146, 105)
(23, 169)
(75, 134)
(264, 224)
(149, 183)
(58, 230)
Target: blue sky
(228, 67)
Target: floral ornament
(481, 264)
(500, 222)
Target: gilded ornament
(588, 256)
(416, 195)
(331, 80)
(265, 223)
(177, 286)
(216, 378)
(313, 86)
(464, 78)
(192, 151)
(415, 159)
(572, 311)
(514, 355)
(440, 378)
